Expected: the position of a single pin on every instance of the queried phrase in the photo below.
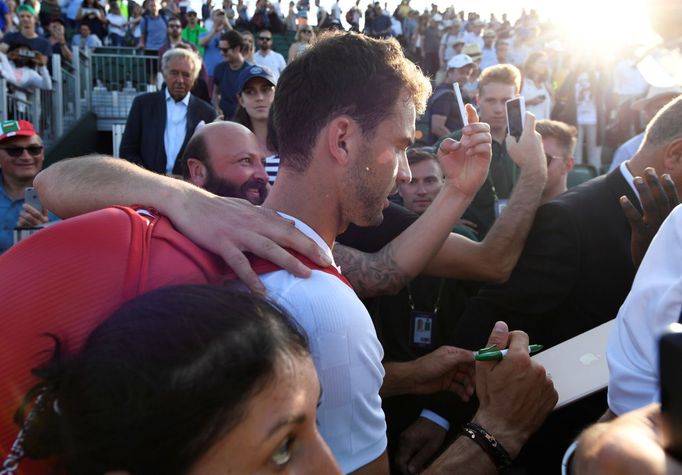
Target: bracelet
(499, 456)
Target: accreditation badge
(500, 205)
(422, 329)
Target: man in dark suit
(161, 123)
(576, 270)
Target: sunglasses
(264, 38)
(224, 50)
(306, 31)
(33, 150)
(174, 26)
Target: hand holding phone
(31, 198)
(516, 116)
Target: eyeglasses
(33, 150)
(264, 38)
(224, 50)
(306, 31)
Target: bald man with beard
(236, 171)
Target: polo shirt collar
(185, 100)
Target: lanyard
(436, 307)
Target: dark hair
(242, 117)
(233, 38)
(342, 73)
(422, 154)
(196, 148)
(161, 380)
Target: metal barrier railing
(119, 69)
(105, 81)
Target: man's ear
(672, 155)
(342, 136)
(197, 172)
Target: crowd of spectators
(483, 244)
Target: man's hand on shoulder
(528, 152)
(230, 227)
(465, 163)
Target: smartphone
(31, 197)
(670, 379)
(460, 105)
(516, 116)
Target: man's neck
(309, 200)
(175, 41)
(549, 194)
(14, 188)
(29, 32)
(237, 64)
(263, 52)
(498, 135)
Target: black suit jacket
(573, 274)
(142, 140)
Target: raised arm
(493, 259)
(228, 227)
(465, 165)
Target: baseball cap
(459, 61)
(15, 128)
(26, 8)
(255, 72)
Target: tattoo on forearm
(371, 274)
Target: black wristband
(499, 456)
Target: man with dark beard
(236, 171)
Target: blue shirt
(227, 81)
(155, 30)
(9, 215)
(212, 56)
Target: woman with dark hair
(193, 379)
(256, 86)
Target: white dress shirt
(176, 128)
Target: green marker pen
(488, 354)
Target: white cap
(459, 61)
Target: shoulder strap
(262, 266)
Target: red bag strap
(262, 266)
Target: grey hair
(666, 125)
(181, 53)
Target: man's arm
(445, 369)
(515, 395)
(493, 259)
(228, 227)
(438, 127)
(388, 270)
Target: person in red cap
(21, 158)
